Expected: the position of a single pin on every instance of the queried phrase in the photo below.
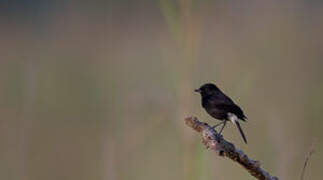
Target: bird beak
(197, 90)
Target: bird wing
(221, 98)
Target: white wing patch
(232, 117)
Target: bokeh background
(99, 89)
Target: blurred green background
(98, 90)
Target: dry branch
(312, 150)
(213, 140)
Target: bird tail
(235, 120)
(241, 132)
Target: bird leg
(213, 127)
(224, 123)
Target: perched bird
(221, 107)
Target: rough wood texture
(212, 140)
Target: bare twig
(312, 150)
(214, 141)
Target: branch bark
(214, 141)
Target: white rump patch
(233, 118)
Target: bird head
(207, 89)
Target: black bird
(221, 107)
